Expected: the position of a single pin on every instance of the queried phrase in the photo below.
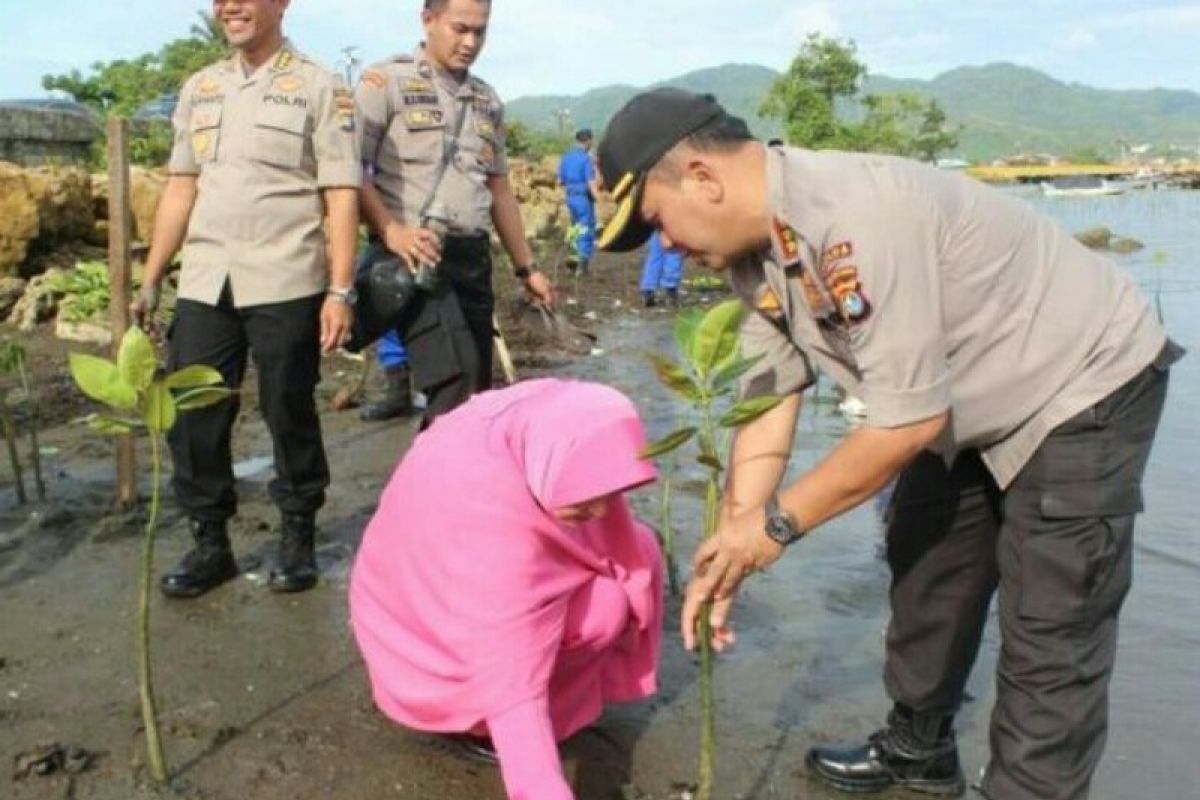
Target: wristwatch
(349, 295)
(780, 526)
(523, 273)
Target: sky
(570, 46)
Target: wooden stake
(120, 279)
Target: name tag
(418, 119)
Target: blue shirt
(575, 170)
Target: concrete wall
(32, 136)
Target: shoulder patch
(402, 58)
(373, 79)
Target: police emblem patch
(847, 292)
(373, 79)
(419, 118)
(787, 241)
(288, 83)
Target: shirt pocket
(280, 133)
(205, 126)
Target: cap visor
(626, 230)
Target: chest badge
(847, 292)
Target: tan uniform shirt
(409, 112)
(263, 146)
(923, 291)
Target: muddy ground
(264, 696)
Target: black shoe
(649, 300)
(397, 399)
(206, 566)
(297, 567)
(673, 298)
(473, 748)
(892, 757)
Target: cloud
(1169, 19)
(1079, 40)
(813, 18)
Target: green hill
(1003, 108)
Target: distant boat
(1080, 186)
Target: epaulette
(402, 58)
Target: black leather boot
(296, 570)
(206, 566)
(914, 752)
(397, 399)
(673, 298)
(649, 300)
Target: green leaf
(159, 412)
(111, 425)
(99, 379)
(710, 461)
(685, 329)
(668, 443)
(749, 410)
(136, 359)
(675, 378)
(193, 376)
(716, 337)
(729, 373)
(201, 396)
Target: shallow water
(807, 665)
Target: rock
(50, 759)
(18, 217)
(38, 304)
(1126, 245)
(1097, 238)
(146, 188)
(11, 290)
(87, 331)
(64, 199)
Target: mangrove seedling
(706, 378)
(141, 399)
(12, 361)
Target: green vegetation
(139, 398)
(84, 290)
(12, 362)
(120, 87)
(522, 141)
(827, 75)
(706, 377)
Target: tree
(826, 76)
(805, 97)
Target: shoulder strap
(449, 149)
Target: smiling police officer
(264, 149)
(1014, 382)
(433, 142)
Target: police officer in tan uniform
(433, 144)
(1014, 382)
(265, 148)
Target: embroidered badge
(208, 86)
(837, 252)
(200, 142)
(487, 156)
(288, 83)
(788, 241)
(812, 294)
(284, 61)
(847, 292)
(412, 99)
(417, 85)
(418, 118)
(768, 302)
(373, 79)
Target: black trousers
(284, 339)
(448, 332)
(1057, 545)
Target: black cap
(583, 135)
(637, 137)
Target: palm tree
(208, 29)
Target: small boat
(1080, 186)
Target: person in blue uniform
(663, 269)
(577, 174)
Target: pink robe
(477, 611)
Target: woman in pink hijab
(503, 587)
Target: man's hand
(336, 320)
(414, 245)
(739, 546)
(537, 285)
(142, 308)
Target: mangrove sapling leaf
(100, 380)
(131, 385)
(193, 377)
(730, 373)
(715, 338)
(670, 442)
(675, 378)
(685, 329)
(749, 410)
(710, 461)
(136, 360)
